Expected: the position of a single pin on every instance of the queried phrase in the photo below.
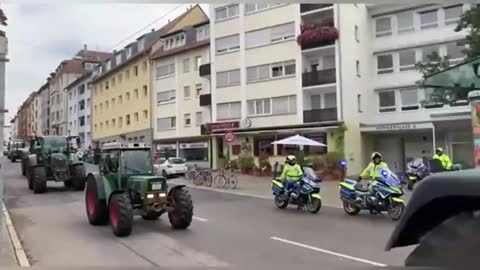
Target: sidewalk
(7, 257)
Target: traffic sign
(229, 136)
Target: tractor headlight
(162, 195)
(150, 196)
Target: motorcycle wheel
(350, 209)
(314, 205)
(396, 210)
(280, 202)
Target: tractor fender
(99, 183)
(31, 161)
(76, 164)
(177, 187)
(435, 199)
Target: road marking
(328, 252)
(248, 194)
(17, 245)
(200, 219)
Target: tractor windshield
(138, 162)
(55, 144)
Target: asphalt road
(228, 231)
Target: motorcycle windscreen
(389, 177)
(309, 174)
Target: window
(270, 35)
(101, 107)
(283, 69)
(107, 124)
(359, 103)
(166, 123)
(384, 64)
(186, 92)
(144, 65)
(135, 92)
(113, 102)
(95, 108)
(407, 60)
(405, 22)
(175, 41)
(70, 96)
(101, 125)
(135, 71)
(357, 67)
(228, 78)
(227, 44)
(187, 119)
(203, 32)
(113, 82)
(141, 44)
(186, 65)
(357, 35)
(129, 52)
(127, 96)
(113, 123)
(165, 70)
(258, 73)
(127, 119)
(275, 70)
(284, 105)
(198, 62)
(453, 14)
(455, 52)
(108, 65)
(250, 8)
(226, 12)
(120, 77)
(120, 122)
(145, 91)
(166, 97)
(383, 27)
(198, 118)
(259, 107)
(231, 110)
(120, 99)
(135, 116)
(428, 19)
(386, 101)
(409, 99)
(198, 89)
(430, 52)
(106, 105)
(145, 114)
(330, 100)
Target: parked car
(168, 167)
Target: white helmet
(376, 155)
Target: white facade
(79, 110)
(3, 61)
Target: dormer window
(118, 59)
(129, 52)
(175, 41)
(108, 65)
(203, 32)
(141, 44)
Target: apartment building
(179, 91)
(14, 127)
(44, 94)
(121, 90)
(36, 113)
(3, 62)
(399, 118)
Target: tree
(470, 21)
(434, 64)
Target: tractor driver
(112, 163)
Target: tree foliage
(470, 22)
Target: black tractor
(15, 149)
(52, 158)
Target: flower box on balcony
(316, 36)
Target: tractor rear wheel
(77, 179)
(182, 214)
(38, 178)
(121, 214)
(28, 175)
(97, 211)
(24, 172)
(455, 242)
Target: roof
(153, 36)
(79, 79)
(95, 56)
(71, 66)
(189, 46)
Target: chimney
(84, 51)
(153, 29)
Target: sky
(41, 35)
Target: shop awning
(298, 140)
(464, 76)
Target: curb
(20, 254)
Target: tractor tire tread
(100, 216)
(125, 218)
(183, 208)
(38, 178)
(78, 179)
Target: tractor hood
(59, 160)
(148, 183)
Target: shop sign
(193, 145)
(220, 126)
(166, 146)
(396, 127)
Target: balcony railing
(320, 115)
(319, 77)
(309, 7)
(205, 70)
(206, 100)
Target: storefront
(196, 152)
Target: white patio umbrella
(298, 140)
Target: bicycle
(226, 178)
(202, 176)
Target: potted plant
(317, 35)
(265, 168)
(246, 164)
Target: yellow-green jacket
(373, 171)
(292, 173)
(445, 160)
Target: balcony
(320, 115)
(311, 7)
(319, 77)
(205, 70)
(206, 100)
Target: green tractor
(126, 186)
(52, 158)
(15, 149)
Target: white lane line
(22, 258)
(248, 194)
(200, 219)
(328, 252)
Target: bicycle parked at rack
(226, 179)
(199, 176)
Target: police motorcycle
(382, 195)
(416, 171)
(305, 193)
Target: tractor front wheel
(182, 214)
(38, 179)
(77, 173)
(97, 211)
(121, 214)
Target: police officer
(443, 158)
(374, 168)
(292, 172)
